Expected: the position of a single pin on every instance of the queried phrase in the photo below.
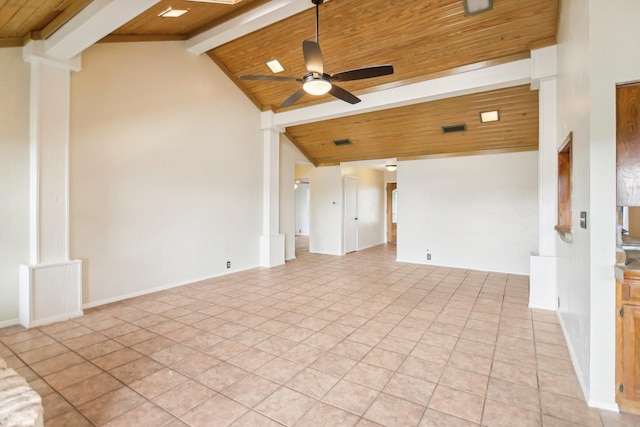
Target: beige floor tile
(351, 349)
(560, 384)
(515, 373)
(569, 409)
(312, 383)
(503, 415)
(111, 405)
(322, 415)
(42, 353)
(303, 354)
(71, 375)
(158, 382)
(196, 364)
(433, 418)
(254, 419)
(391, 411)
(370, 376)
(183, 397)
(384, 359)
(410, 388)
(116, 358)
(334, 364)
(90, 388)
(221, 376)
(469, 362)
(351, 397)
(69, 418)
(145, 414)
(133, 371)
(432, 353)
(54, 404)
(457, 403)
(251, 390)
(280, 370)
(421, 369)
(285, 406)
(52, 364)
(464, 380)
(514, 394)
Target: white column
(271, 242)
(543, 264)
(51, 284)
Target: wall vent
(340, 142)
(454, 128)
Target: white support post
(51, 284)
(543, 264)
(271, 242)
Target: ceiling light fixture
(489, 116)
(391, 168)
(172, 13)
(316, 84)
(275, 66)
(471, 7)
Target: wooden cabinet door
(630, 377)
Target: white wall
(371, 200)
(597, 42)
(476, 212)
(574, 115)
(166, 170)
(14, 178)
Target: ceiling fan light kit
(316, 81)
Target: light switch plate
(583, 220)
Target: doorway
(350, 214)
(392, 212)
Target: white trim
(10, 322)
(53, 319)
(256, 19)
(613, 407)
(160, 288)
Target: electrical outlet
(428, 257)
(228, 264)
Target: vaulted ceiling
(422, 39)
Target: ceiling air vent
(454, 128)
(340, 142)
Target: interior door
(392, 208)
(350, 214)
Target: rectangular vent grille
(454, 128)
(340, 142)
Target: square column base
(271, 250)
(50, 292)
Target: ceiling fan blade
(344, 95)
(363, 73)
(270, 78)
(312, 56)
(293, 98)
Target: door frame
(346, 179)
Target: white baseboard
(613, 407)
(54, 319)
(10, 322)
(160, 288)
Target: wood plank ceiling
(422, 39)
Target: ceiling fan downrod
(317, 3)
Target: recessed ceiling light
(471, 7)
(275, 66)
(489, 116)
(172, 13)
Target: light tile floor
(322, 341)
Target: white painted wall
(325, 227)
(14, 178)
(371, 200)
(574, 115)
(166, 170)
(475, 212)
(596, 46)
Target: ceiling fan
(316, 81)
